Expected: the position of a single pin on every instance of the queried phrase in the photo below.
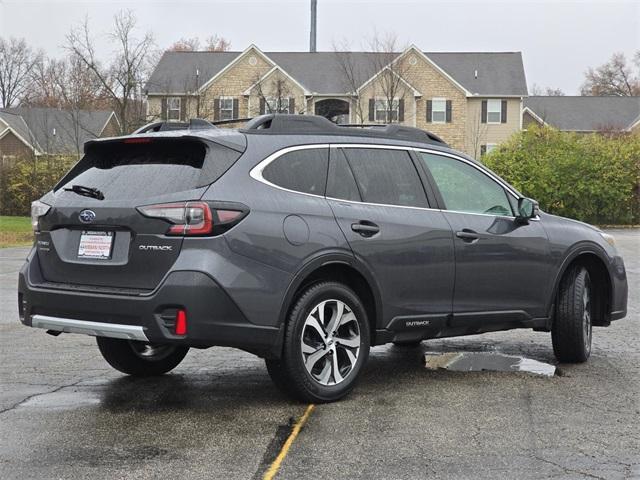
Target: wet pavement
(65, 414)
(487, 362)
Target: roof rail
(231, 120)
(193, 124)
(317, 125)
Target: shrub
(593, 178)
(23, 180)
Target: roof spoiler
(193, 124)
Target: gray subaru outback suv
(305, 243)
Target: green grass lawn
(15, 231)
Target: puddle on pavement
(487, 361)
(63, 399)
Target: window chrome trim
(257, 171)
(383, 204)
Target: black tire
(572, 328)
(290, 374)
(139, 358)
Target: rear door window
(135, 170)
(301, 171)
(386, 176)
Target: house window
(173, 108)
(382, 110)
(226, 108)
(277, 105)
(439, 110)
(490, 146)
(494, 111)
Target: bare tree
(477, 134)
(213, 43)
(17, 61)
(614, 78)
(382, 58)
(537, 90)
(65, 83)
(275, 94)
(185, 45)
(44, 90)
(392, 72)
(123, 76)
(353, 74)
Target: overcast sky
(558, 39)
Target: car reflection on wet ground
(65, 414)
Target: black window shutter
(483, 150)
(216, 109)
(163, 113)
(429, 111)
(183, 108)
(372, 106)
(401, 110)
(292, 105)
(503, 118)
(262, 106)
(448, 112)
(483, 118)
(235, 108)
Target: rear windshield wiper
(86, 191)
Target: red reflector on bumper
(181, 322)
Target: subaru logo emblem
(87, 216)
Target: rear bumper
(212, 316)
(96, 329)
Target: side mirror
(527, 209)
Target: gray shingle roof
(499, 73)
(176, 71)
(16, 123)
(55, 131)
(586, 113)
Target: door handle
(365, 228)
(467, 235)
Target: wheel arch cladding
(338, 271)
(601, 287)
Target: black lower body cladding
(212, 317)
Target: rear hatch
(93, 243)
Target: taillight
(181, 322)
(38, 209)
(195, 218)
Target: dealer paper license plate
(95, 245)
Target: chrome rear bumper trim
(96, 329)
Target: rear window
(135, 170)
(387, 177)
(301, 170)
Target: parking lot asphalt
(64, 413)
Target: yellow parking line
(275, 466)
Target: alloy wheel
(330, 342)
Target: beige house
(472, 100)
